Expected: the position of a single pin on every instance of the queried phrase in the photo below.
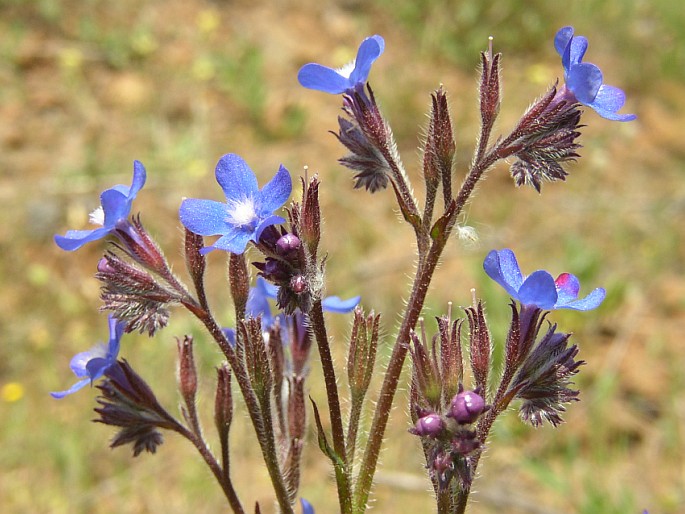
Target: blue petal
(139, 177)
(230, 335)
(116, 330)
(235, 177)
(258, 301)
(75, 239)
(561, 39)
(234, 242)
(538, 289)
(78, 385)
(276, 192)
(584, 80)
(567, 288)
(321, 78)
(115, 205)
(577, 51)
(335, 304)
(79, 362)
(267, 288)
(502, 267)
(591, 301)
(370, 50)
(96, 367)
(204, 217)
(306, 507)
(610, 99)
(267, 222)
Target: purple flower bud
(104, 266)
(298, 284)
(430, 425)
(466, 407)
(287, 243)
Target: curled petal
(116, 206)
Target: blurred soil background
(86, 86)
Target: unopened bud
(311, 217)
(431, 425)
(239, 279)
(187, 373)
(287, 243)
(195, 261)
(298, 284)
(466, 407)
(104, 266)
(223, 405)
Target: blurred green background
(86, 86)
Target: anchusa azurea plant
(456, 392)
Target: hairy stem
(219, 473)
(265, 434)
(319, 330)
(422, 280)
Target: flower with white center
(350, 77)
(247, 210)
(115, 207)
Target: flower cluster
(456, 390)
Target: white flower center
(97, 217)
(346, 70)
(241, 213)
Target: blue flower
(539, 289)
(115, 208)
(584, 80)
(247, 211)
(92, 364)
(348, 78)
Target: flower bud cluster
(284, 266)
(445, 418)
(291, 256)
